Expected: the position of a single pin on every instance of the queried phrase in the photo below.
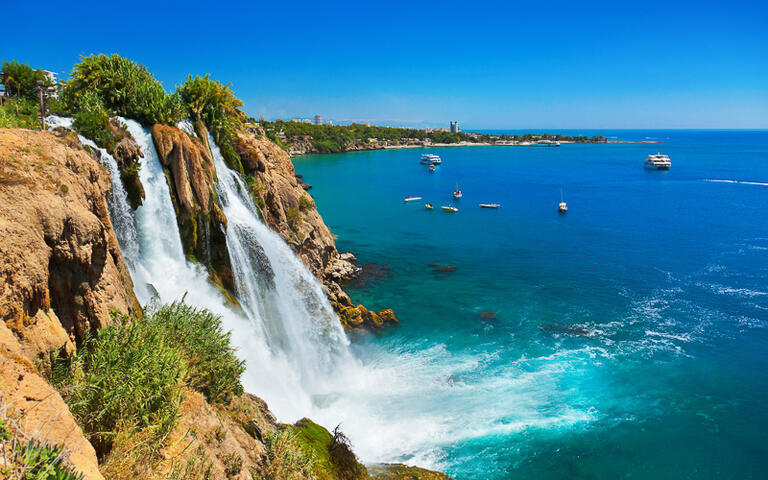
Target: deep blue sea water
(625, 339)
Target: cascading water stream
(277, 290)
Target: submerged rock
(487, 316)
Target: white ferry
(658, 162)
(431, 158)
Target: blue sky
(691, 64)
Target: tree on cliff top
(124, 88)
(218, 108)
(21, 80)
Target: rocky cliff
(288, 209)
(191, 175)
(61, 274)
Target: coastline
(294, 153)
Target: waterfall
(285, 331)
(285, 301)
(119, 207)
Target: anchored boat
(562, 207)
(411, 199)
(457, 193)
(489, 205)
(428, 206)
(432, 168)
(448, 208)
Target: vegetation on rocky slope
(130, 376)
(27, 459)
(124, 88)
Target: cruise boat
(430, 159)
(658, 162)
(489, 205)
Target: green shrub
(305, 204)
(21, 80)
(124, 88)
(216, 106)
(343, 458)
(293, 217)
(128, 376)
(131, 375)
(285, 458)
(214, 369)
(30, 460)
(95, 125)
(19, 112)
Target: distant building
(329, 123)
(306, 120)
(318, 120)
(367, 124)
(455, 127)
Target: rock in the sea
(398, 471)
(487, 316)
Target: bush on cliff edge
(130, 376)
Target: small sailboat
(489, 205)
(429, 206)
(457, 192)
(562, 207)
(411, 199)
(449, 208)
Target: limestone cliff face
(61, 273)
(288, 209)
(61, 269)
(191, 174)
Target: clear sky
(671, 64)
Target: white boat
(457, 193)
(430, 159)
(562, 207)
(489, 205)
(448, 208)
(658, 162)
(411, 199)
(428, 206)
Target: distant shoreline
(468, 144)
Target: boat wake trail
(745, 182)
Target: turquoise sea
(625, 339)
